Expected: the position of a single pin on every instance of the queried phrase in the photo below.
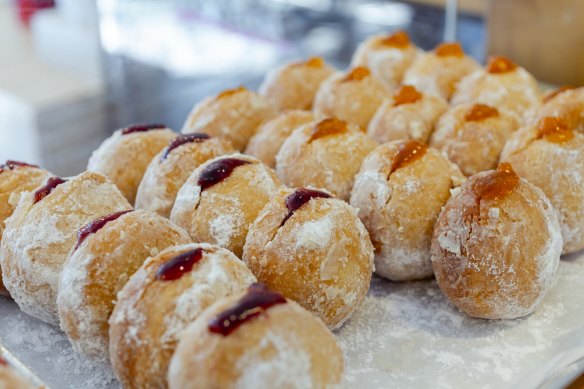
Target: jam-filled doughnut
(550, 155)
(501, 84)
(387, 56)
(324, 154)
(566, 103)
(409, 114)
(438, 72)
(10, 379)
(124, 156)
(266, 143)
(108, 251)
(169, 170)
(353, 96)
(222, 198)
(293, 85)
(399, 193)
(234, 114)
(473, 136)
(16, 177)
(256, 339)
(42, 231)
(312, 248)
(161, 299)
(496, 245)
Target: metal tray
(404, 335)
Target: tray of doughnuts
(416, 220)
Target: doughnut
(166, 294)
(502, 84)
(324, 154)
(266, 143)
(496, 245)
(222, 198)
(399, 193)
(16, 177)
(234, 114)
(550, 155)
(438, 72)
(473, 136)
(108, 251)
(353, 96)
(125, 155)
(41, 232)
(566, 103)
(293, 85)
(409, 114)
(312, 248)
(256, 339)
(169, 170)
(10, 379)
(387, 56)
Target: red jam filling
(45, 190)
(217, 171)
(300, 197)
(11, 165)
(95, 226)
(180, 140)
(180, 265)
(142, 128)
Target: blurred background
(72, 71)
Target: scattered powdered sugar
(223, 227)
(314, 234)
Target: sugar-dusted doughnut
(42, 231)
(234, 114)
(161, 299)
(108, 251)
(293, 85)
(325, 154)
(222, 198)
(170, 168)
(399, 193)
(312, 248)
(566, 103)
(496, 245)
(125, 155)
(256, 339)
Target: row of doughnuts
(303, 243)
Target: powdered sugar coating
(568, 105)
(284, 347)
(558, 170)
(354, 101)
(222, 213)
(406, 121)
(387, 63)
(234, 116)
(399, 208)
(516, 92)
(96, 271)
(329, 162)
(38, 238)
(497, 258)
(151, 314)
(321, 257)
(124, 158)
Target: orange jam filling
(230, 92)
(556, 92)
(452, 49)
(327, 127)
(407, 94)
(480, 112)
(499, 64)
(399, 40)
(314, 62)
(357, 74)
(554, 130)
(408, 152)
(497, 184)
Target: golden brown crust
(234, 114)
(165, 176)
(321, 257)
(124, 158)
(151, 314)
(38, 238)
(98, 269)
(293, 85)
(12, 183)
(399, 208)
(330, 162)
(266, 143)
(558, 170)
(474, 146)
(222, 213)
(354, 99)
(567, 105)
(496, 257)
(406, 121)
(284, 347)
